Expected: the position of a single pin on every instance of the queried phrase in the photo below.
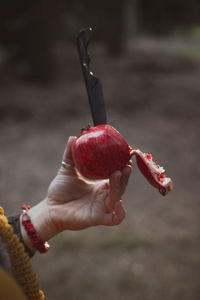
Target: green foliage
(195, 32)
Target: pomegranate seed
(162, 175)
(149, 156)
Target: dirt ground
(152, 95)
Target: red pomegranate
(99, 151)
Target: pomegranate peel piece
(153, 172)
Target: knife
(92, 83)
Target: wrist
(41, 221)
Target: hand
(73, 203)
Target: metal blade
(93, 84)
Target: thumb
(67, 155)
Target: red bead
(26, 207)
(35, 238)
(30, 229)
(25, 219)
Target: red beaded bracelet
(41, 246)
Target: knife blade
(92, 83)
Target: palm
(77, 203)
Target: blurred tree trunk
(42, 19)
(121, 24)
(114, 29)
(130, 19)
(39, 40)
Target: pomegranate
(99, 151)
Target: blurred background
(147, 55)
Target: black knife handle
(93, 84)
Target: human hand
(74, 203)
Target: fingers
(116, 217)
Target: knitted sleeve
(15, 223)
